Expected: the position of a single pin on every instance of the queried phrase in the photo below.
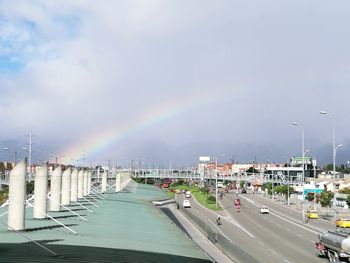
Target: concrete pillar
(89, 182)
(74, 186)
(17, 196)
(118, 182)
(104, 182)
(40, 193)
(98, 174)
(85, 183)
(80, 183)
(56, 186)
(66, 186)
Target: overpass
(273, 175)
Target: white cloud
(89, 64)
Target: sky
(164, 82)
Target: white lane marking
(285, 260)
(241, 227)
(285, 219)
(279, 225)
(230, 219)
(261, 243)
(273, 251)
(221, 231)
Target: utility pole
(30, 154)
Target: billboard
(297, 160)
(204, 159)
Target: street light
(14, 151)
(314, 166)
(334, 147)
(302, 163)
(216, 182)
(335, 153)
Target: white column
(104, 182)
(80, 183)
(89, 182)
(17, 195)
(66, 182)
(85, 183)
(98, 174)
(118, 183)
(74, 185)
(40, 193)
(56, 184)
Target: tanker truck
(335, 245)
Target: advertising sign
(204, 159)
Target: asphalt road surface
(266, 237)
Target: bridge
(194, 174)
(190, 174)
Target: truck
(335, 245)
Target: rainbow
(93, 145)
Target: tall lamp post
(334, 147)
(216, 182)
(302, 164)
(314, 166)
(335, 154)
(14, 151)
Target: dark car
(244, 191)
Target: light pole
(288, 188)
(15, 152)
(335, 153)
(302, 163)
(314, 165)
(334, 147)
(216, 183)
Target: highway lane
(240, 236)
(295, 243)
(258, 235)
(268, 238)
(278, 207)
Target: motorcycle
(238, 208)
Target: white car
(188, 194)
(264, 210)
(186, 203)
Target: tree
(204, 190)
(211, 199)
(267, 186)
(345, 191)
(326, 198)
(241, 184)
(283, 189)
(252, 170)
(348, 200)
(310, 196)
(329, 167)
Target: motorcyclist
(218, 220)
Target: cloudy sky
(168, 81)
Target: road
(269, 237)
(296, 216)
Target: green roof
(124, 225)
